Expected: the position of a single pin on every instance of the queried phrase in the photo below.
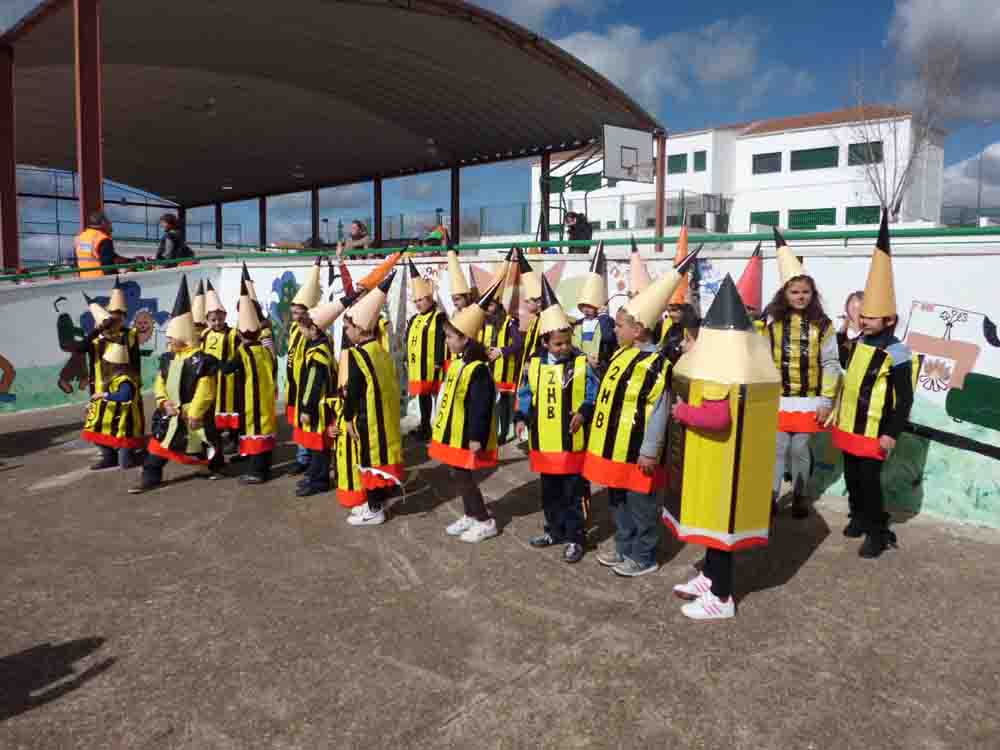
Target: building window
(624, 223)
(586, 182)
(768, 218)
(815, 158)
(612, 225)
(859, 154)
(864, 214)
(810, 218)
(696, 221)
(677, 164)
(767, 163)
(700, 161)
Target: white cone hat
(788, 265)
(309, 293)
(455, 275)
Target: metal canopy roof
(276, 96)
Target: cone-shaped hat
(553, 317)
(181, 325)
(249, 321)
(250, 285)
(680, 294)
(530, 278)
(638, 275)
(458, 283)
(469, 320)
(116, 354)
(324, 314)
(364, 312)
(647, 307)
(118, 302)
(419, 286)
(98, 311)
(377, 275)
(750, 285)
(499, 279)
(198, 304)
(728, 351)
(212, 301)
(788, 265)
(309, 293)
(595, 286)
(880, 289)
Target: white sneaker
(459, 527)
(693, 588)
(358, 509)
(480, 531)
(709, 607)
(366, 517)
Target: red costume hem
(290, 413)
(707, 541)
(622, 476)
(314, 441)
(565, 462)
(506, 388)
(158, 449)
(424, 387)
(254, 445)
(857, 445)
(799, 421)
(351, 498)
(99, 438)
(461, 458)
(372, 481)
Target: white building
(798, 172)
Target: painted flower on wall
(284, 288)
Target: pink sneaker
(709, 607)
(693, 588)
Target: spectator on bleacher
(578, 228)
(172, 246)
(359, 238)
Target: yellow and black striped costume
(629, 390)
(532, 346)
(450, 437)
(117, 424)
(557, 393)
(318, 376)
(188, 379)
(347, 462)
(425, 352)
(129, 337)
(223, 346)
(500, 336)
(797, 347)
(372, 401)
(258, 419)
(293, 368)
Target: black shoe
(103, 465)
(853, 529)
(309, 491)
(542, 540)
(252, 479)
(876, 542)
(800, 507)
(298, 469)
(573, 553)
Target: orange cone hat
(750, 284)
(681, 291)
(880, 289)
(377, 275)
(364, 312)
(638, 275)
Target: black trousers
(864, 492)
(152, 467)
(426, 412)
(719, 570)
(562, 504)
(505, 411)
(376, 498)
(318, 473)
(260, 465)
(473, 503)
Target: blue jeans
(302, 455)
(637, 522)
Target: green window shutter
(700, 161)
(770, 218)
(555, 229)
(677, 164)
(612, 225)
(557, 184)
(864, 214)
(810, 218)
(767, 163)
(864, 153)
(815, 158)
(586, 182)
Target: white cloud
(961, 180)
(417, 190)
(534, 13)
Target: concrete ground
(209, 615)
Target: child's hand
(647, 465)
(823, 414)
(333, 431)
(170, 408)
(493, 354)
(306, 420)
(352, 430)
(99, 396)
(519, 429)
(475, 446)
(575, 423)
(887, 444)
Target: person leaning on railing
(95, 248)
(359, 238)
(172, 245)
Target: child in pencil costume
(804, 347)
(628, 431)
(115, 421)
(720, 462)
(221, 341)
(255, 370)
(532, 285)
(183, 425)
(594, 333)
(425, 348)
(875, 402)
(555, 404)
(464, 434)
(308, 296)
(198, 311)
(369, 413)
(109, 327)
(318, 378)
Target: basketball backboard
(628, 154)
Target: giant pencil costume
(222, 345)
(425, 349)
(719, 489)
(96, 342)
(116, 424)
(531, 281)
(307, 297)
(256, 379)
(499, 333)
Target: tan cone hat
(788, 265)
(118, 302)
(343, 367)
(98, 311)
(250, 285)
(470, 320)
(880, 288)
(419, 286)
(648, 306)
(638, 276)
(458, 283)
(309, 293)
(728, 350)
(501, 275)
(115, 354)
(198, 305)
(212, 301)
(595, 286)
(181, 325)
(679, 297)
(325, 314)
(364, 313)
(552, 317)
(248, 322)
(530, 278)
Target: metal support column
(546, 193)
(10, 257)
(377, 228)
(218, 226)
(661, 185)
(262, 221)
(182, 222)
(89, 128)
(314, 223)
(456, 205)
